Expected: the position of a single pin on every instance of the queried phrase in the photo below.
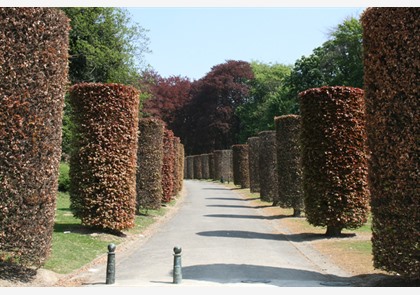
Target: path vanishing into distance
(226, 241)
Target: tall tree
(104, 46)
(268, 98)
(338, 62)
(210, 116)
(165, 99)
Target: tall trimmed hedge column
(168, 167)
(190, 167)
(205, 166)
(253, 161)
(198, 171)
(334, 158)
(103, 165)
(240, 165)
(149, 164)
(33, 78)
(289, 168)
(391, 41)
(268, 166)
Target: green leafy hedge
(253, 161)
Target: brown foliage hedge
(179, 165)
(33, 78)
(211, 166)
(253, 161)
(268, 166)
(103, 164)
(391, 60)
(290, 194)
(149, 164)
(334, 157)
(198, 170)
(205, 166)
(168, 166)
(190, 167)
(240, 165)
(223, 165)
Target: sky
(190, 41)
(188, 37)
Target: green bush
(63, 177)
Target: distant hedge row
(198, 170)
(33, 80)
(205, 166)
(253, 162)
(289, 169)
(149, 163)
(334, 157)
(103, 164)
(268, 166)
(168, 166)
(391, 39)
(240, 165)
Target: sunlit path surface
(225, 241)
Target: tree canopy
(105, 46)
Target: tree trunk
(333, 231)
(296, 212)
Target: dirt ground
(359, 266)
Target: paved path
(225, 241)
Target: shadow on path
(245, 273)
(247, 216)
(303, 237)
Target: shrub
(190, 167)
(205, 167)
(179, 165)
(197, 167)
(63, 177)
(33, 78)
(223, 165)
(104, 157)
(211, 166)
(240, 165)
(253, 161)
(391, 60)
(267, 164)
(168, 166)
(149, 164)
(290, 189)
(334, 158)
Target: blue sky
(189, 41)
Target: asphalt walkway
(225, 241)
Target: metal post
(110, 267)
(177, 271)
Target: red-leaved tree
(209, 118)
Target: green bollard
(110, 266)
(177, 271)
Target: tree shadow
(16, 273)
(273, 217)
(240, 206)
(229, 199)
(277, 276)
(302, 237)
(85, 230)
